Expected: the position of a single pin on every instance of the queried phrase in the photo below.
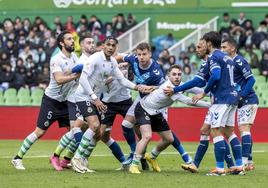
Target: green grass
(39, 173)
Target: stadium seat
(37, 92)
(36, 101)
(11, 100)
(134, 94)
(24, 100)
(255, 72)
(2, 101)
(10, 92)
(23, 92)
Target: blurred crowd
(26, 46)
(252, 44)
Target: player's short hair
(213, 37)
(82, 38)
(230, 41)
(111, 38)
(143, 46)
(60, 38)
(174, 67)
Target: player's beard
(69, 48)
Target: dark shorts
(113, 109)
(157, 122)
(74, 112)
(86, 108)
(52, 110)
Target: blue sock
(78, 136)
(201, 149)
(117, 152)
(250, 151)
(179, 147)
(219, 150)
(130, 137)
(228, 157)
(236, 149)
(246, 144)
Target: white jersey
(95, 73)
(60, 63)
(155, 102)
(115, 92)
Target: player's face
(88, 45)
(68, 42)
(109, 47)
(175, 76)
(144, 57)
(201, 49)
(225, 47)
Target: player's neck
(66, 53)
(232, 55)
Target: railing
(137, 34)
(193, 37)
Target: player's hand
(145, 89)
(168, 91)
(122, 65)
(240, 102)
(100, 106)
(198, 97)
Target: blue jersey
(203, 72)
(224, 90)
(152, 76)
(242, 72)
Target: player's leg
(179, 147)
(219, 111)
(45, 118)
(246, 116)
(159, 125)
(90, 113)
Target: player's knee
(170, 139)
(147, 137)
(244, 128)
(94, 126)
(39, 132)
(205, 130)
(228, 131)
(127, 124)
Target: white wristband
(93, 96)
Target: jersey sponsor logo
(156, 72)
(46, 124)
(147, 118)
(89, 110)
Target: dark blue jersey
(203, 72)
(242, 73)
(152, 76)
(223, 90)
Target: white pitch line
(109, 155)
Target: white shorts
(246, 114)
(131, 109)
(220, 115)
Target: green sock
(26, 145)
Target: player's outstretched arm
(62, 78)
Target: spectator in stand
(26, 51)
(94, 23)
(225, 24)
(82, 23)
(242, 18)
(264, 64)
(58, 26)
(187, 73)
(264, 44)
(69, 25)
(30, 79)
(248, 38)
(238, 34)
(108, 29)
(27, 25)
(43, 78)
(97, 35)
(131, 21)
(167, 41)
(4, 58)
(172, 60)
(262, 27)
(7, 77)
(19, 80)
(251, 57)
(120, 25)
(248, 25)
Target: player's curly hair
(213, 37)
(60, 38)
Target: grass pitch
(39, 172)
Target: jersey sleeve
(130, 59)
(213, 63)
(120, 77)
(246, 69)
(203, 70)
